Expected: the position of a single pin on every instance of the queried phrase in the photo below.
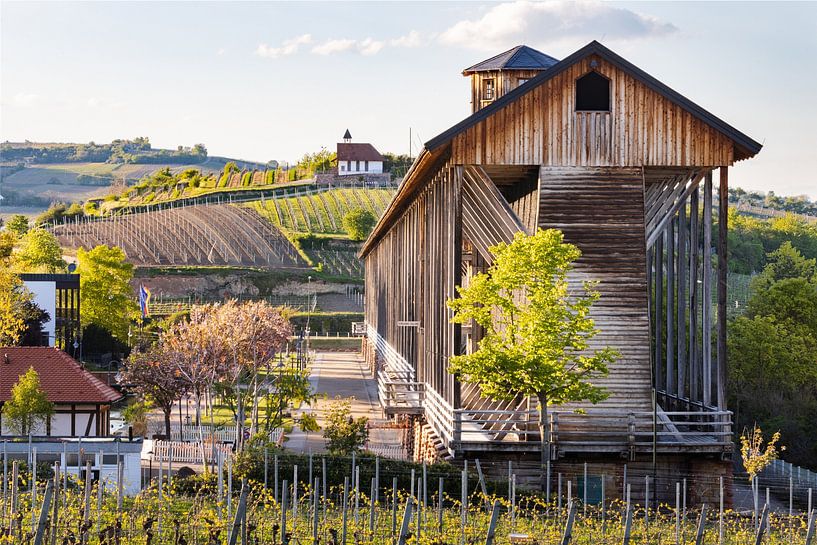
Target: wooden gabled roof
(439, 146)
(747, 146)
(520, 57)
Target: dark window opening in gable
(593, 93)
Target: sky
(261, 81)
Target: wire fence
(367, 501)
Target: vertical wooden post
(669, 384)
(682, 278)
(694, 248)
(706, 303)
(489, 537)
(723, 227)
(658, 263)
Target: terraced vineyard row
(322, 212)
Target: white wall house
(81, 401)
(355, 159)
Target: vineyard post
(294, 497)
(628, 523)
(43, 518)
(624, 484)
(377, 478)
(5, 477)
(510, 472)
(14, 498)
(684, 506)
(266, 465)
(220, 481)
(647, 503)
(699, 535)
(547, 487)
(425, 490)
(809, 500)
(357, 493)
(603, 509)
(791, 495)
(569, 493)
(513, 502)
(571, 516)
(229, 488)
(489, 537)
(559, 493)
(100, 489)
(762, 521)
(275, 476)
(677, 513)
(371, 508)
(404, 528)
(482, 486)
(284, 486)
(768, 502)
(720, 510)
(236, 528)
(161, 478)
(393, 509)
(345, 508)
(33, 461)
(310, 466)
(87, 502)
(810, 528)
(440, 487)
(55, 515)
(463, 505)
(584, 492)
(419, 516)
(325, 488)
(315, 516)
(411, 492)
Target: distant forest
(137, 150)
(799, 204)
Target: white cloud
(412, 39)
(550, 23)
(25, 99)
(288, 47)
(370, 46)
(334, 46)
(221, 52)
(93, 102)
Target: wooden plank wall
(642, 128)
(411, 273)
(504, 81)
(601, 210)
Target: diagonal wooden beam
(659, 223)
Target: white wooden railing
(189, 433)
(190, 453)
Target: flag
(144, 300)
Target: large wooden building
(623, 165)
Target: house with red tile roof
(81, 401)
(357, 158)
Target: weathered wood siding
(641, 128)
(601, 210)
(504, 81)
(411, 273)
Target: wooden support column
(670, 351)
(683, 280)
(658, 262)
(456, 271)
(694, 249)
(706, 303)
(723, 215)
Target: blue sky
(267, 81)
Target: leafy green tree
(28, 407)
(17, 224)
(358, 223)
(343, 433)
(34, 318)
(8, 239)
(536, 333)
(106, 295)
(39, 250)
(13, 295)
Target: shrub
(358, 223)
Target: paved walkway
(337, 374)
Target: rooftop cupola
(347, 136)
(492, 78)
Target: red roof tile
(61, 376)
(357, 152)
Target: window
(520, 81)
(593, 93)
(357, 166)
(348, 165)
(343, 168)
(488, 94)
(366, 166)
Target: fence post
(394, 510)
(628, 524)
(482, 486)
(284, 486)
(315, 495)
(571, 516)
(345, 508)
(761, 525)
(810, 528)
